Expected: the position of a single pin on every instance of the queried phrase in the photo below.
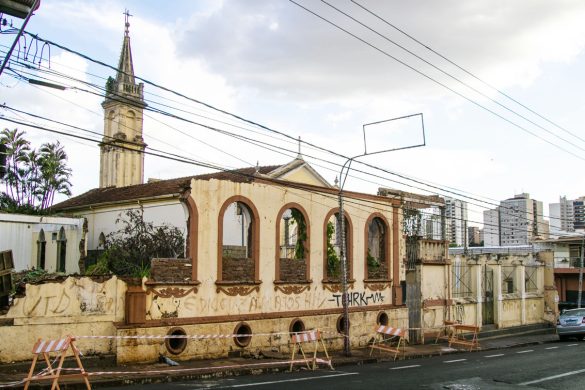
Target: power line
(316, 147)
(466, 71)
(438, 82)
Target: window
(292, 262)
(61, 250)
(41, 250)
(377, 248)
(333, 246)
(238, 241)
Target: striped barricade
(44, 348)
(388, 339)
(314, 337)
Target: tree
(33, 176)
(130, 249)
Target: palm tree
(55, 174)
(17, 149)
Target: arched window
(101, 241)
(61, 250)
(238, 241)
(377, 265)
(41, 250)
(333, 246)
(292, 257)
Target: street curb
(234, 372)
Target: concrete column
(476, 277)
(551, 296)
(521, 277)
(498, 296)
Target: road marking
(551, 348)
(454, 361)
(572, 345)
(548, 378)
(400, 368)
(294, 380)
(526, 351)
(491, 356)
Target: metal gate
(488, 296)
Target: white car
(571, 323)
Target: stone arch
(288, 266)
(377, 263)
(329, 273)
(41, 250)
(61, 250)
(238, 263)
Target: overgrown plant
(130, 249)
(301, 233)
(372, 261)
(332, 258)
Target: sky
(278, 65)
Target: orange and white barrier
(388, 339)
(314, 337)
(44, 348)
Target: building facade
(491, 227)
(517, 221)
(456, 218)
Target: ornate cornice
(237, 290)
(172, 292)
(292, 288)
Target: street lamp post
(343, 252)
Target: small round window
(341, 324)
(244, 334)
(178, 344)
(296, 326)
(382, 318)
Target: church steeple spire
(122, 148)
(125, 67)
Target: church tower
(122, 147)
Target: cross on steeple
(127, 15)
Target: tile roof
(155, 188)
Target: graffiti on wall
(72, 297)
(358, 298)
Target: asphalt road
(548, 366)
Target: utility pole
(343, 250)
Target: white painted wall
(164, 212)
(19, 233)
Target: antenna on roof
(299, 156)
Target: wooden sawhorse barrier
(385, 337)
(314, 337)
(446, 331)
(460, 331)
(61, 346)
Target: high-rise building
(567, 215)
(561, 216)
(491, 227)
(521, 220)
(473, 236)
(456, 219)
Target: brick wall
(170, 270)
(237, 269)
(292, 270)
(235, 251)
(378, 273)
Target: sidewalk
(264, 363)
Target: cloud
(307, 58)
